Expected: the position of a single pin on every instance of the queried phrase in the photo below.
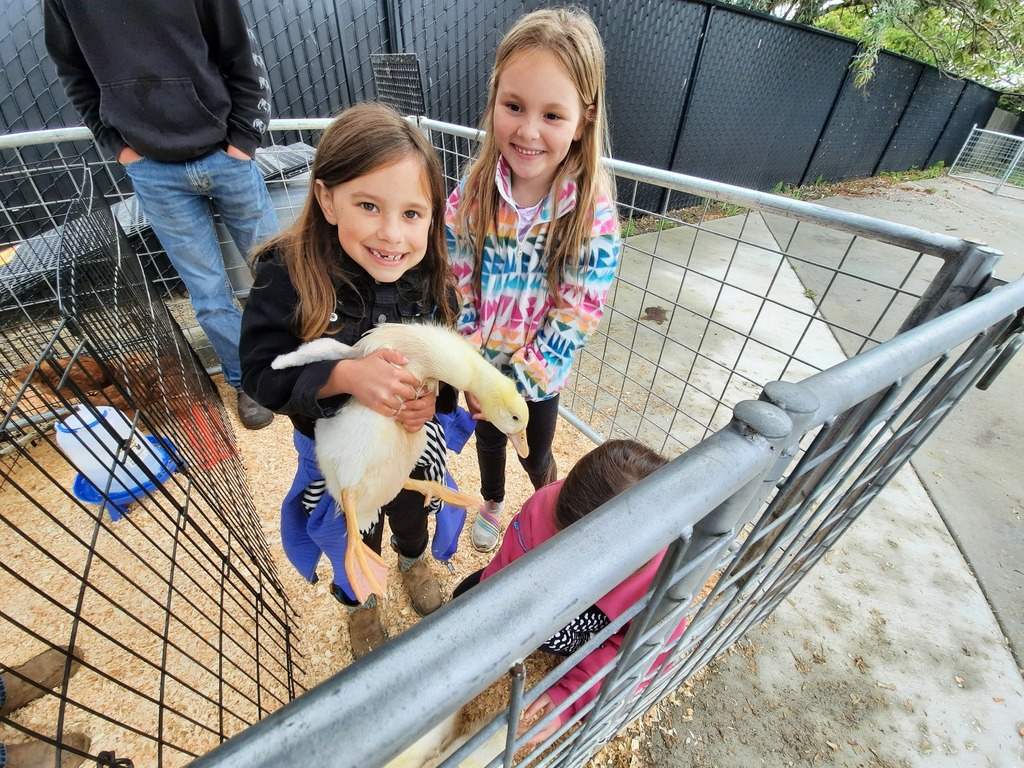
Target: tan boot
(37, 754)
(365, 632)
(424, 589)
(45, 670)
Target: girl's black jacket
(269, 330)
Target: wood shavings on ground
(321, 626)
(323, 622)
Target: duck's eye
(515, 418)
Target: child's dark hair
(601, 475)
(359, 141)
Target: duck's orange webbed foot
(432, 490)
(366, 570)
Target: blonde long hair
(360, 140)
(571, 36)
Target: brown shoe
(45, 670)
(252, 414)
(424, 589)
(365, 632)
(35, 754)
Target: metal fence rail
(718, 488)
(993, 161)
(714, 298)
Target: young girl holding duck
(368, 248)
(533, 234)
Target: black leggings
(539, 465)
(407, 518)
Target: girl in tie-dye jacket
(533, 235)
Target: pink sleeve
(580, 676)
(532, 526)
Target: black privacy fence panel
(761, 99)
(318, 53)
(306, 55)
(456, 42)
(695, 87)
(863, 121)
(974, 108)
(649, 67)
(923, 121)
(30, 97)
(649, 70)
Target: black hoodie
(171, 80)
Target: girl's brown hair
(571, 36)
(359, 141)
(601, 475)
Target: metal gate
(712, 300)
(993, 161)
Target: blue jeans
(176, 199)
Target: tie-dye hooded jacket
(515, 322)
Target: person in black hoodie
(179, 95)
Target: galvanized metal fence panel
(728, 564)
(993, 161)
(711, 302)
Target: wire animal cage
(155, 571)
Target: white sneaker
(487, 526)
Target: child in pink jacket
(596, 478)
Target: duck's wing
(315, 351)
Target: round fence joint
(762, 418)
(790, 397)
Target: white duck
(366, 458)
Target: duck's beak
(519, 443)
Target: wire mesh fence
(993, 161)
(713, 299)
(285, 166)
(129, 533)
(756, 513)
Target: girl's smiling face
(383, 218)
(537, 117)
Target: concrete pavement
(904, 646)
(968, 464)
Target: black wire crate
(129, 532)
